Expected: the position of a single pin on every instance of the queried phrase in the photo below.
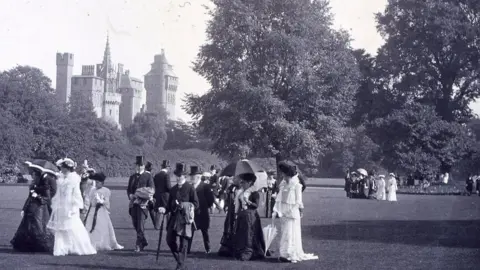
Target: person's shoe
(207, 251)
(283, 260)
(138, 249)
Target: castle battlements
(112, 98)
(65, 59)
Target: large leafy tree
(415, 139)
(432, 53)
(282, 81)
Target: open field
(418, 232)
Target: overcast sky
(32, 32)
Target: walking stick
(160, 236)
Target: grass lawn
(418, 232)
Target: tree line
(35, 125)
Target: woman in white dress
(97, 221)
(381, 188)
(71, 237)
(289, 207)
(392, 188)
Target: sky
(32, 32)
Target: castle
(116, 96)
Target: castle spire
(107, 65)
(106, 54)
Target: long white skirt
(73, 240)
(103, 235)
(291, 246)
(392, 195)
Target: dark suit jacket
(131, 183)
(138, 181)
(184, 194)
(205, 200)
(162, 189)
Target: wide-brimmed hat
(139, 160)
(66, 162)
(392, 175)
(100, 177)
(195, 170)
(165, 164)
(287, 168)
(180, 169)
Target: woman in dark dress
(249, 243)
(32, 234)
(229, 191)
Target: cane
(160, 236)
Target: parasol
(269, 233)
(261, 181)
(241, 167)
(43, 165)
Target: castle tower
(161, 84)
(64, 77)
(111, 99)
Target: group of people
(51, 216)
(361, 184)
(471, 181)
(67, 213)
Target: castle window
(110, 112)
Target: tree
(415, 139)
(432, 53)
(148, 129)
(282, 81)
(182, 135)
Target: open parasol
(241, 167)
(261, 181)
(43, 165)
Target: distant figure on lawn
(71, 237)
(381, 188)
(392, 188)
(289, 207)
(469, 185)
(32, 234)
(97, 220)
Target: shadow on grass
(434, 233)
(97, 266)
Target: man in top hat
(151, 203)
(138, 210)
(162, 190)
(205, 200)
(179, 226)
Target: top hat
(139, 161)
(165, 163)
(180, 169)
(100, 177)
(212, 167)
(194, 170)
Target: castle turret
(161, 84)
(64, 77)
